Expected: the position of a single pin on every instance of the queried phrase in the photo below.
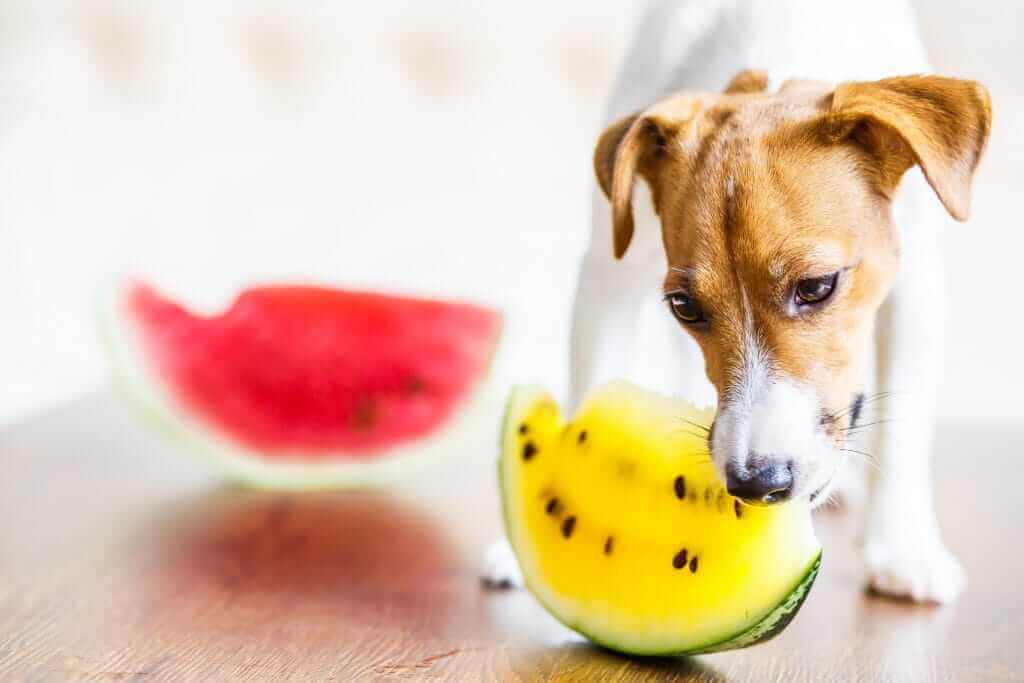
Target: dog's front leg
(904, 550)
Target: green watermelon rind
(766, 628)
(133, 379)
(774, 622)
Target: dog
(772, 248)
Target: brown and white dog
(774, 250)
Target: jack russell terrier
(774, 250)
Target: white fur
(764, 415)
(622, 329)
(778, 420)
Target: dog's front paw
(923, 572)
(501, 568)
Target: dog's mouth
(817, 492)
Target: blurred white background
(440, 147)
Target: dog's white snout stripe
(766, 417)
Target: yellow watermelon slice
(624, 532)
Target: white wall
(440, 147)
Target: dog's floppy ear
(622, 151)
(607, 150)
(940, 124)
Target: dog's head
(775, 216)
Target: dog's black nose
(769, 482)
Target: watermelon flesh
(625, 532)
(304, 375)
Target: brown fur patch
(748, 80)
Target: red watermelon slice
(306, 387)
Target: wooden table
(122, 558)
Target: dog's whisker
(868, 401)
(689, 432)
(864, 457)
(694, 424)
(874, 398)
(860, 427)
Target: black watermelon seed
(523, 429)
(582, 437)
(552, 507)
(365, 414)
(693, 565)
(529, 450)
(608, 543)
(738, 507)
(680, 487)
(720, 500)
(679, 561)
(568, 525)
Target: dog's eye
(816, 289)
(684, 308)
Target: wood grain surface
(122, 558)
